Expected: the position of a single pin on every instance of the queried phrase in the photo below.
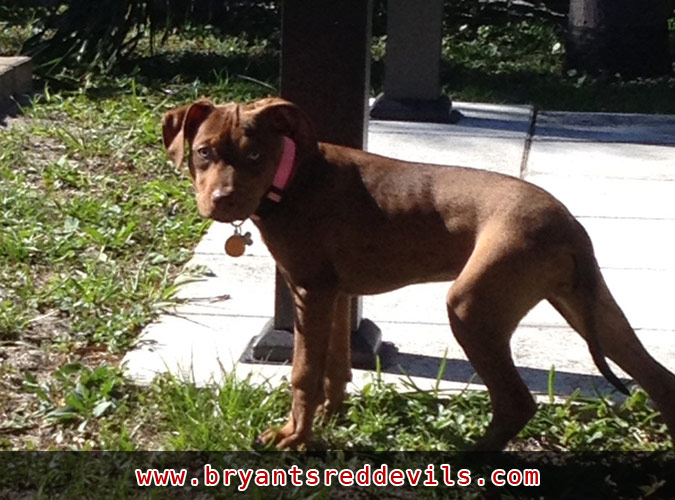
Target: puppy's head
(234, 150)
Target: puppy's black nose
(220, 195)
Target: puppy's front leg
(338, 364)
(314, 310)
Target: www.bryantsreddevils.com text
(367, 475)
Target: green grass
(94, 219)
(381, 417)
(96, 224)
(521, 62)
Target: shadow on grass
(199, 72)
(206, 67)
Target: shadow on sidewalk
(458, 370)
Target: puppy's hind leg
(485, 304)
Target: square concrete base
(276, 346)
(414, 110)
(16, 76)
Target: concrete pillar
(412, 89)
(325, 69)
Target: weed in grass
(598, 424)
(75, 400)
(79, 394)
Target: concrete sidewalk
(616, 173)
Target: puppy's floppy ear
(180, 125)
(285, 118)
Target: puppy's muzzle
(223, 205)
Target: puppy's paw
(293, 442)
(285, 438)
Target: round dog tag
(235, 245)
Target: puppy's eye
(253, 156)
(203, 152)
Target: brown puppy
(341, 222)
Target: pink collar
(281, 178)
(284, 170)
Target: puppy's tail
(588, 304)
(589, 283)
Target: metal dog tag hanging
(236, 244)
